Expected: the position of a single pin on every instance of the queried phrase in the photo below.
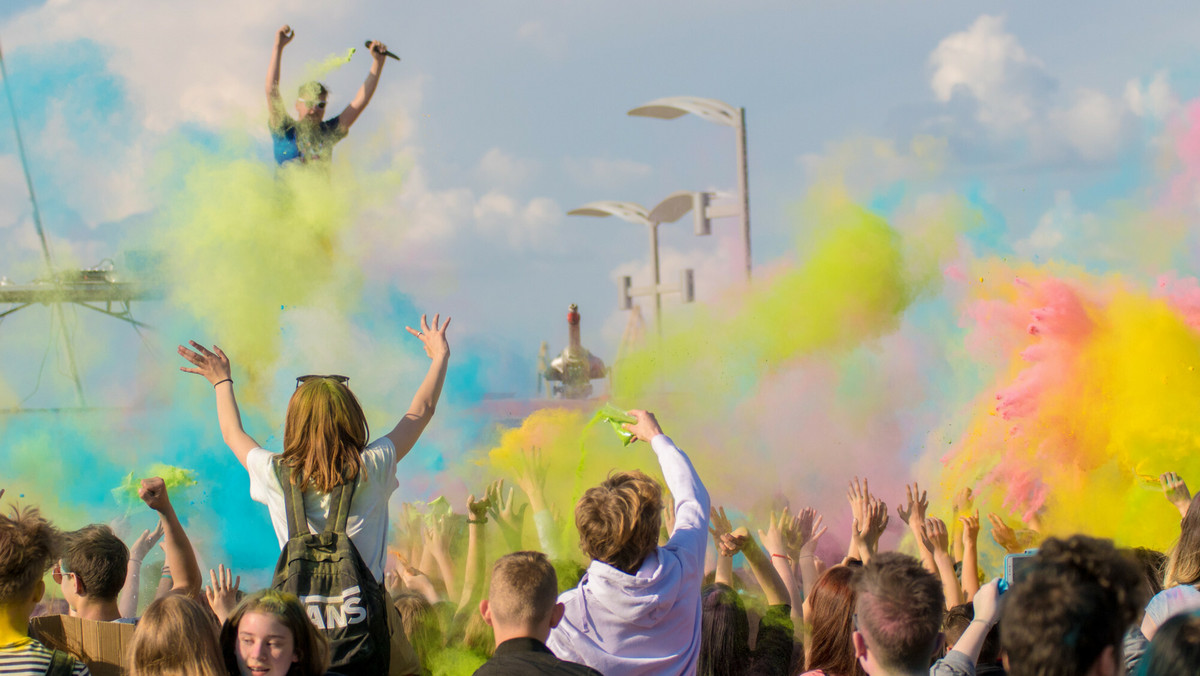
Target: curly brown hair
(29, 545)
(619, 520)
(1078, 598)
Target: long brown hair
(176, 637)
(324, 435)
(831, 648)
(1183, 561)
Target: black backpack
(325, 570)
(61, 664)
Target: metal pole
(744, 186)
(654, 263)
(37, 223)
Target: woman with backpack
(340, 483)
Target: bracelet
(782, 556)
(227, 380)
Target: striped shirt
(28, 657)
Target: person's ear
(485, 609)
(39, 590)
(860, 646)
(556, 615)
(77, 585)
(1004, 661)
(940, 646)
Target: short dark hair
(1175, 648)
(899, 606)
(29, 544)
(98, 558)
(524, 588)
(618, 521)
(1080, 595)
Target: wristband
(227, 380)
(781, 556)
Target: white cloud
(1155, 100)
(499, 168)
(603, 173)
(992, 66)
(1092, 125)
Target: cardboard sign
(101, 645)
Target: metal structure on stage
(99, 288)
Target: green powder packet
(615, 417)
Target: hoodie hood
(642, 600)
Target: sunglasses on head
(314, 104)
(341, 380)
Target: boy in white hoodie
(637, 610)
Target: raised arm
(935, 538)
(691, 498)
(473, 576)
(127, 601)
(970, 561)
(1176, 490)
(367, 90)
(404, 436)
(914, 515)
(720, 528)
(185, 571)
(214, 366)
(274, 102)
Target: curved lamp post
(669, 210)
(717, 112)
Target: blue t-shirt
(291, 143)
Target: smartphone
(1015, 568)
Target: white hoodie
(648, 623)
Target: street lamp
(669, 210)
(717, 112)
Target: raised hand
(153, 492)
(732, 543)
(378, 50)
(145, 542)
(1004, 536)
(433, 338)
(213, 365)
(477, 510)
(857, 494)
(773, 538)
(1177, 492)
(876, 522)
(917, 504)
(970, 526)
(718, 524)
(963, 501)
(502, 508)
(935, 538)
(646, 427)
(283, 36)
(807, 530)
(531, 475)
(222, 594)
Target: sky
(1052, 123)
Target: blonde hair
(1183, 561)
(324, 435)
(176, 637)
(524, 588)
(619, 520)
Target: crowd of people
(353, 596)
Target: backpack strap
(293, 500)
(339, 507)
(61, 664)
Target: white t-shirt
(367, 524)
(1167, 604)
